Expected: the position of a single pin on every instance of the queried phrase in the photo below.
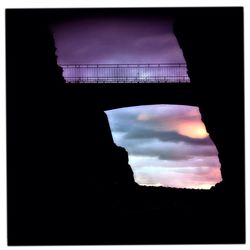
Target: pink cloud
(161, 151)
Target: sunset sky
(167, 144)
(116, 39)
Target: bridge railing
(125, 73)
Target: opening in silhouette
(119, 49)
(168, 145)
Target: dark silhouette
(213, 49)
(68, 183)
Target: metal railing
(125, 73)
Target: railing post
(97, 75)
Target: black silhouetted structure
(68, 183)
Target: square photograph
(125, 126)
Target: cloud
(140, 131)
(137, 161)
(117, 39)
(154, 117)
(168, 150)
(170, 177)
(151, 135)
(168, 136)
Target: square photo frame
(68, 180)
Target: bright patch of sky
(168, 145)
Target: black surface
(68, 183)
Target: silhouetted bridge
(125, 73)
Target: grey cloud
(147, 138)
(170, 136)
(121, 120)
(157, 117)
(195, 162)
(173, 151)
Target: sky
(168, 145)
(116, 39)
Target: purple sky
(167, 144)
(120, 39)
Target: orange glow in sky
(159, 153)
(194, 129)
